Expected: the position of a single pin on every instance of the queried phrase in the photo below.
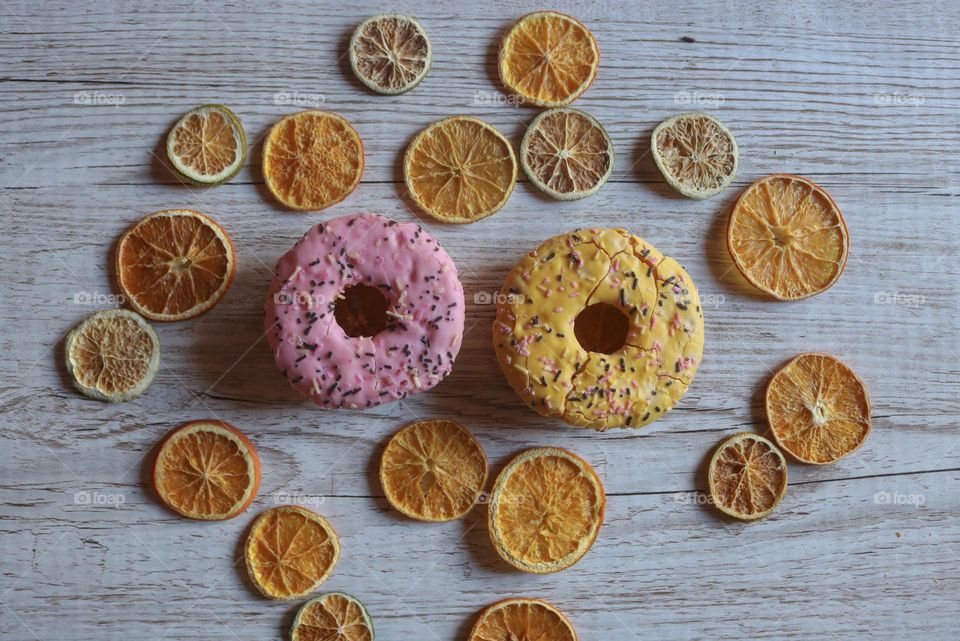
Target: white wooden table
(860, 97)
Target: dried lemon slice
(787, 237)
(460, 169)
(312, 159)
(546, 509)
(566, 154)
(696, 153)
(433, 470)
(207, 145)
(332, 616)
(522, 619)
(818, 408)
(113, 355)
(548, 59)
(747, 476)
(390, 53)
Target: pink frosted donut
(364, 310)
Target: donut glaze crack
(541, 355)
(424, 312)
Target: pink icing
(425, 313)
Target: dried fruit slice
(546, 509)
(818, 408)
(312, 159)
(175, 264)
(522, 619)
(548, 59)
(696, 153)
(390, 53)
(566, 154)
(747, 476)
(290, 551)
(207, 470)
(433, 470)
(112, 355)
(332, 616)
(207, 145)
(460, 169)
(787, 237)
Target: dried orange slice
(787, 237)
(747, 476)
(546, 509)
(175, 264)
(312, 159)
(112, 355)
(290, 551)
(818, 408)
(696, 153)
(548, 59)
(390, 53)
(566, 154)
(332, 616)
(522, 619)
(433, 470)
(207, 145)
(207, 470)
(460, 169)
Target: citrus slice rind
(332, 616)
(312, 160)
(747, 476)
(522, 618)
(112, 355)
(548, 59)
(390, 53)
(546, 509)
(460, 169)
(433, 470)
(818, 409)
(696, 154)
(566, 154)
(175, 264)
(207, 470)
(208, 145)
(290, 551)
(787, 237)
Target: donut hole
(361, 311)
(602, 328)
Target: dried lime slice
(696, 154)
(113, 355)
(332, 616)
(566, 154)
(747, 476)
(207, 145)
(390, 53)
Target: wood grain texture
(861, 98)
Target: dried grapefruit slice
(696, 153)
(546, 509)
(290, 551)
(312, 159)
(566, 154)
(390, 53)
(548, 59)
(175, 264)
(522, 619)
(787, 237)
(747, 476)
(207, 145)
(818, 408)
(433, 470)
(207, 470)
(332, 616)
(112, 355)
(460, 169)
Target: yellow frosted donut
(598, 328)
